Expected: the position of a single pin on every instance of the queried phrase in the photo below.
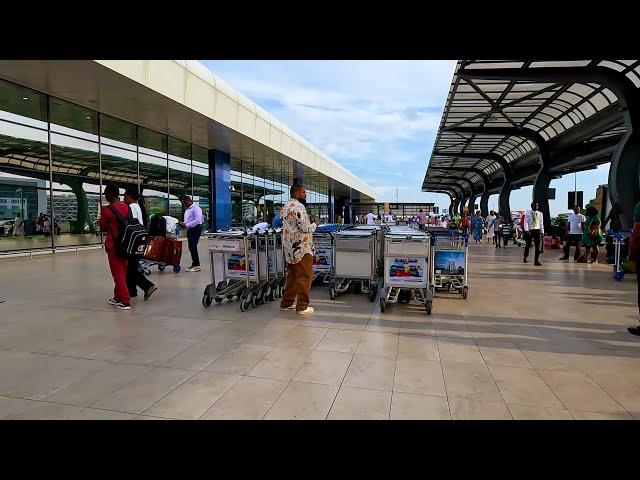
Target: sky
(377, 118)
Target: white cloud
(377, 118)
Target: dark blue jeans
(193, 236)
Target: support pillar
(484, 203)
(220, 190)
(82, 213)
(624, 175)
(503, 200)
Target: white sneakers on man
(306, 311)
(292, 307)
(193, 269)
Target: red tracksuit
(117, 264)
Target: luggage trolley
(449, 262)
(619, 238)
(163, 249)
(241, 271)
(381, 230)
(406, 275)
(356, 261)
(323, 258)
(276, 276)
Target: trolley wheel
(256, 297)
(146, 272)
(229, 297)
(373, 292)
(280, 290)
(619, 275)
(383, 305)
(161, 268)
(176, 268)
(332, 291)
(245, 302)
(266, 295)
(221, 285)
(274, 294)
(428, 306)
(218, 299)
(465, 292)
(206, 301)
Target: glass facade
(56, 157)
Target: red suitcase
(173, 251)
(156, 249)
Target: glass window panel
(201, 184)
(22, 105)
(236, 191)
(154, 171)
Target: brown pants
(299, 276)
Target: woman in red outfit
(117, 264)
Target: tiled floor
(528, 343)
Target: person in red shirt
(117, 264)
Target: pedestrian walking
(135, 278)
(591, 236)
(534, 231)
(574, 233)
(117, 264)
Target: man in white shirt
(534, 230)
(371, 218)
(574, 233)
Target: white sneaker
(122, 306)
(292, 307)
(113, 301)
(194, 269)
(306, 311)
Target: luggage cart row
(253, 267)
(619, 238)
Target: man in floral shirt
(297, 240)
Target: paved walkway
(529, 343)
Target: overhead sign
(572, 201)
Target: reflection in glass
(201, 185)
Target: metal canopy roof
(516, 111)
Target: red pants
(118, 266)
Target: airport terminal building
(166, 127)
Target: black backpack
(132, 236)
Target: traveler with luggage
(534, 231)
(193, 221)
(135, 278)
(574, 233)
(297, 240)
(118, 263)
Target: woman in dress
(490, 226)
(476, 226)
(591, 236)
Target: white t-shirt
(260, 227)
(136, 212)
(575, 223)
(370, 218)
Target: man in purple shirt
(193, 223)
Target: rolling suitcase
(156, 249)
(173, 251)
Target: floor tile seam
(353, 356)
(395, 368)
(220, 397)
(193, 374)
(148, 368)
(493, 379)
(277, 398)
(174, 389)
(66, 404)
(234, 373)
(606, 392)
(183, 351)
(444, 381)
